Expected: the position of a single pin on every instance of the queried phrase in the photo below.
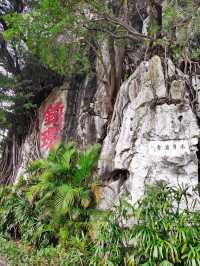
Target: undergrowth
(51, 218)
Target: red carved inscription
(53, 118)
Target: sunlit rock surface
(153, 134)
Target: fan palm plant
(62, 188)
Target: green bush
(165, 233)
(55, 201)
(50, 218)
(17, 255)
(159, 230)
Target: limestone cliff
(133, 100)
(153, 133)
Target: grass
(17, 254)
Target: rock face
(80, 109)
(3, 262)
(68, 115)
(153, 134)
(30, 150)
(52, 119)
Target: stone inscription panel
(170, 148)
(52, 125)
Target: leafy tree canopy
(62, 33)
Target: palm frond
(34, 190)
(66, 195)
(68, 155)
(85, 164)
(38, 165)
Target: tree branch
(133, 33)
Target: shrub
(55, 201)
(52, 219)
(156, 231)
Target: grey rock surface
(153, 133)
(3, 262)
(150, 136)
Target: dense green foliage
(63, 33)
(24, 82)
(166, 234)
(54, 202)
(50, 218)
(181, 29)
(17, 254)
(57, 32)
